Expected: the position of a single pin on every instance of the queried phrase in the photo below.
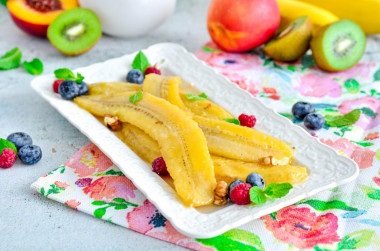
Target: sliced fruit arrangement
(291, 42)
(75, 31)
(164, 128)
(363, 12)
(34, 16)
(338, 46)
(181, 141)
(223, 138)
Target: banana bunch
(292, 9)
(366, 13)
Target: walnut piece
(112, 122)
(220, 193)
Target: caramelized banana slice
(181, 141)
(111, 88)
(225, 169)
(242, 143)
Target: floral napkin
(346, 217)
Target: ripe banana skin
(365, 13)
(181, 142)
(291, 10)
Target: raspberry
(247, 120)
(7, 158)
(240, 194)
(56, 85)
(152, 69)
(159, 166)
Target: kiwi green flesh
(343, 44)
(75, 30)
(291, 42)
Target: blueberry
(301, 109)
(30, 154)
(68, 89)
(83, 88)
(234, 184)
(20, 139)
(256, 180)
(135, 76)
(314, 121)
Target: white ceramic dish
(130, 18)
(327, 169)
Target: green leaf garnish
(257, 195)
(4, 2)
(277, 190)
(34, 67)
(232, 120)
(135, 97)
(140, 62)
(11, 59)
(194, 97)
(343, 120)
(7, 144)
(67, 74)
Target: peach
(34, 16)
(241, 25)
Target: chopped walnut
(220, 193)
(112, 122)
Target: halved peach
(34, 16)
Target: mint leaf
(67, 74)
(257, 195)
(343, 120)
(140, 62)
(352, 86)
(4, 2)
(34, 67)
(232, 120)
(64, 73)
(7, 144)
(79, 78)
(135, 97)
(11, 59)
(277, 190)
(194, 97)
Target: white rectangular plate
(327, 169)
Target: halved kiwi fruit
(291, 42)
(75, 31)
(338, 46)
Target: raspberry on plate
(152, 69)
(240, 194)
(247, 120)
(7, 158)
(56, 85)
(232, 185)
(159, 166)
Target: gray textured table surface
(29, 221)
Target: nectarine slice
(34, 16)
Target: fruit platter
(193, 127)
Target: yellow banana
(110, 88)
(291, 10)
(181, 142)
(365, 13)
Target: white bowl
(130, 18)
